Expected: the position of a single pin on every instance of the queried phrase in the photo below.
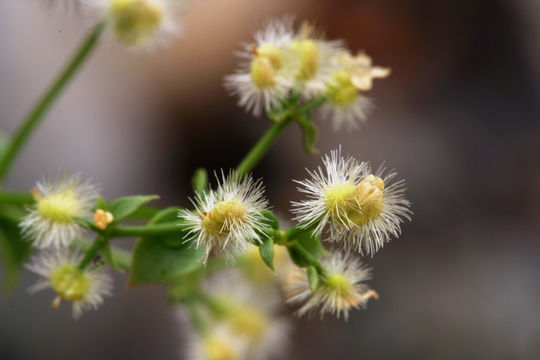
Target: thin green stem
(308, 258)
(148, 230)
(92, 251)
(261, 147)
(14, 197)
(121, 257)
(33, 119)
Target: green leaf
(272, 219)
(14, 250)
(123, 207)
(312, 244)
(108, 255)
(297, 257)
(309, 135)
(163, 258)
(266, 249)
(199, 181)
(102, 204)
(313, 278)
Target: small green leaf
(272, 219)
(266, 249)
(163, 258)
(102, 204)
(312, 244)
(123, 207)
(199, 181)
(313, 278)
(309, 135)
(297, 257)
(14, 251)
(108, 255)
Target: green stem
(13, 197)
(40, 108)
(148, 230)
(92, 251)
(313, 104)
(261, 147)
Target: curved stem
(310, 259)
(21, 136)
(261, 147)
(92, 251)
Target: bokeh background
(458, 118)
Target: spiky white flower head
(250, 313)
(347, 106)
(264, 76)
(53, 219)
(58, 269)
(363, 208)
(225, 220)
(313, 60)
(220, 343)
(342, 290)
(139, 22)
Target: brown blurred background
(458, 119)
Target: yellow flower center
(70, 283)
(218, 349)
(308, 55)
(61, 206)
(339, 285)
(263, 72)
(360, 203)
(135, 20)
(341, 89)
(223, 215)
(249, 322)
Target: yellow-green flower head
(225, 220)
(219, 343)
(264, 76)
(362, 208)
(250, 313)
(53, 219)
(313, 60)
(139, 22)
(351, 75)
(340, 291)
(85, 289)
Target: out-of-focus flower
(363, 209)
(313, 60)
(258, 272)
(341, 290)
(54, 219)
(58, 269)
(264, 76)
(352, 75)
(220, 343)
(225, 220)
(139, 22)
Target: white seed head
(85, 289)
(139, 22)
(363, 209)
(342, 290)
(226, 219)
(53, 220)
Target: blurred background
(458, 118)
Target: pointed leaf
(266, 249)
(199, 181)
(313, 278)
(309, 135)
(166, 257)
(123, 207)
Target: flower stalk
(37, 113)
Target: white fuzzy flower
(313, 60)
(362, 208)
(226, 219)
(341, 290)
(58, 269)
(351, 75)
(219, 343)
(139, 22)
(264, 76)
(53, 219)
(250, 313)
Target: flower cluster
(283, 60)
